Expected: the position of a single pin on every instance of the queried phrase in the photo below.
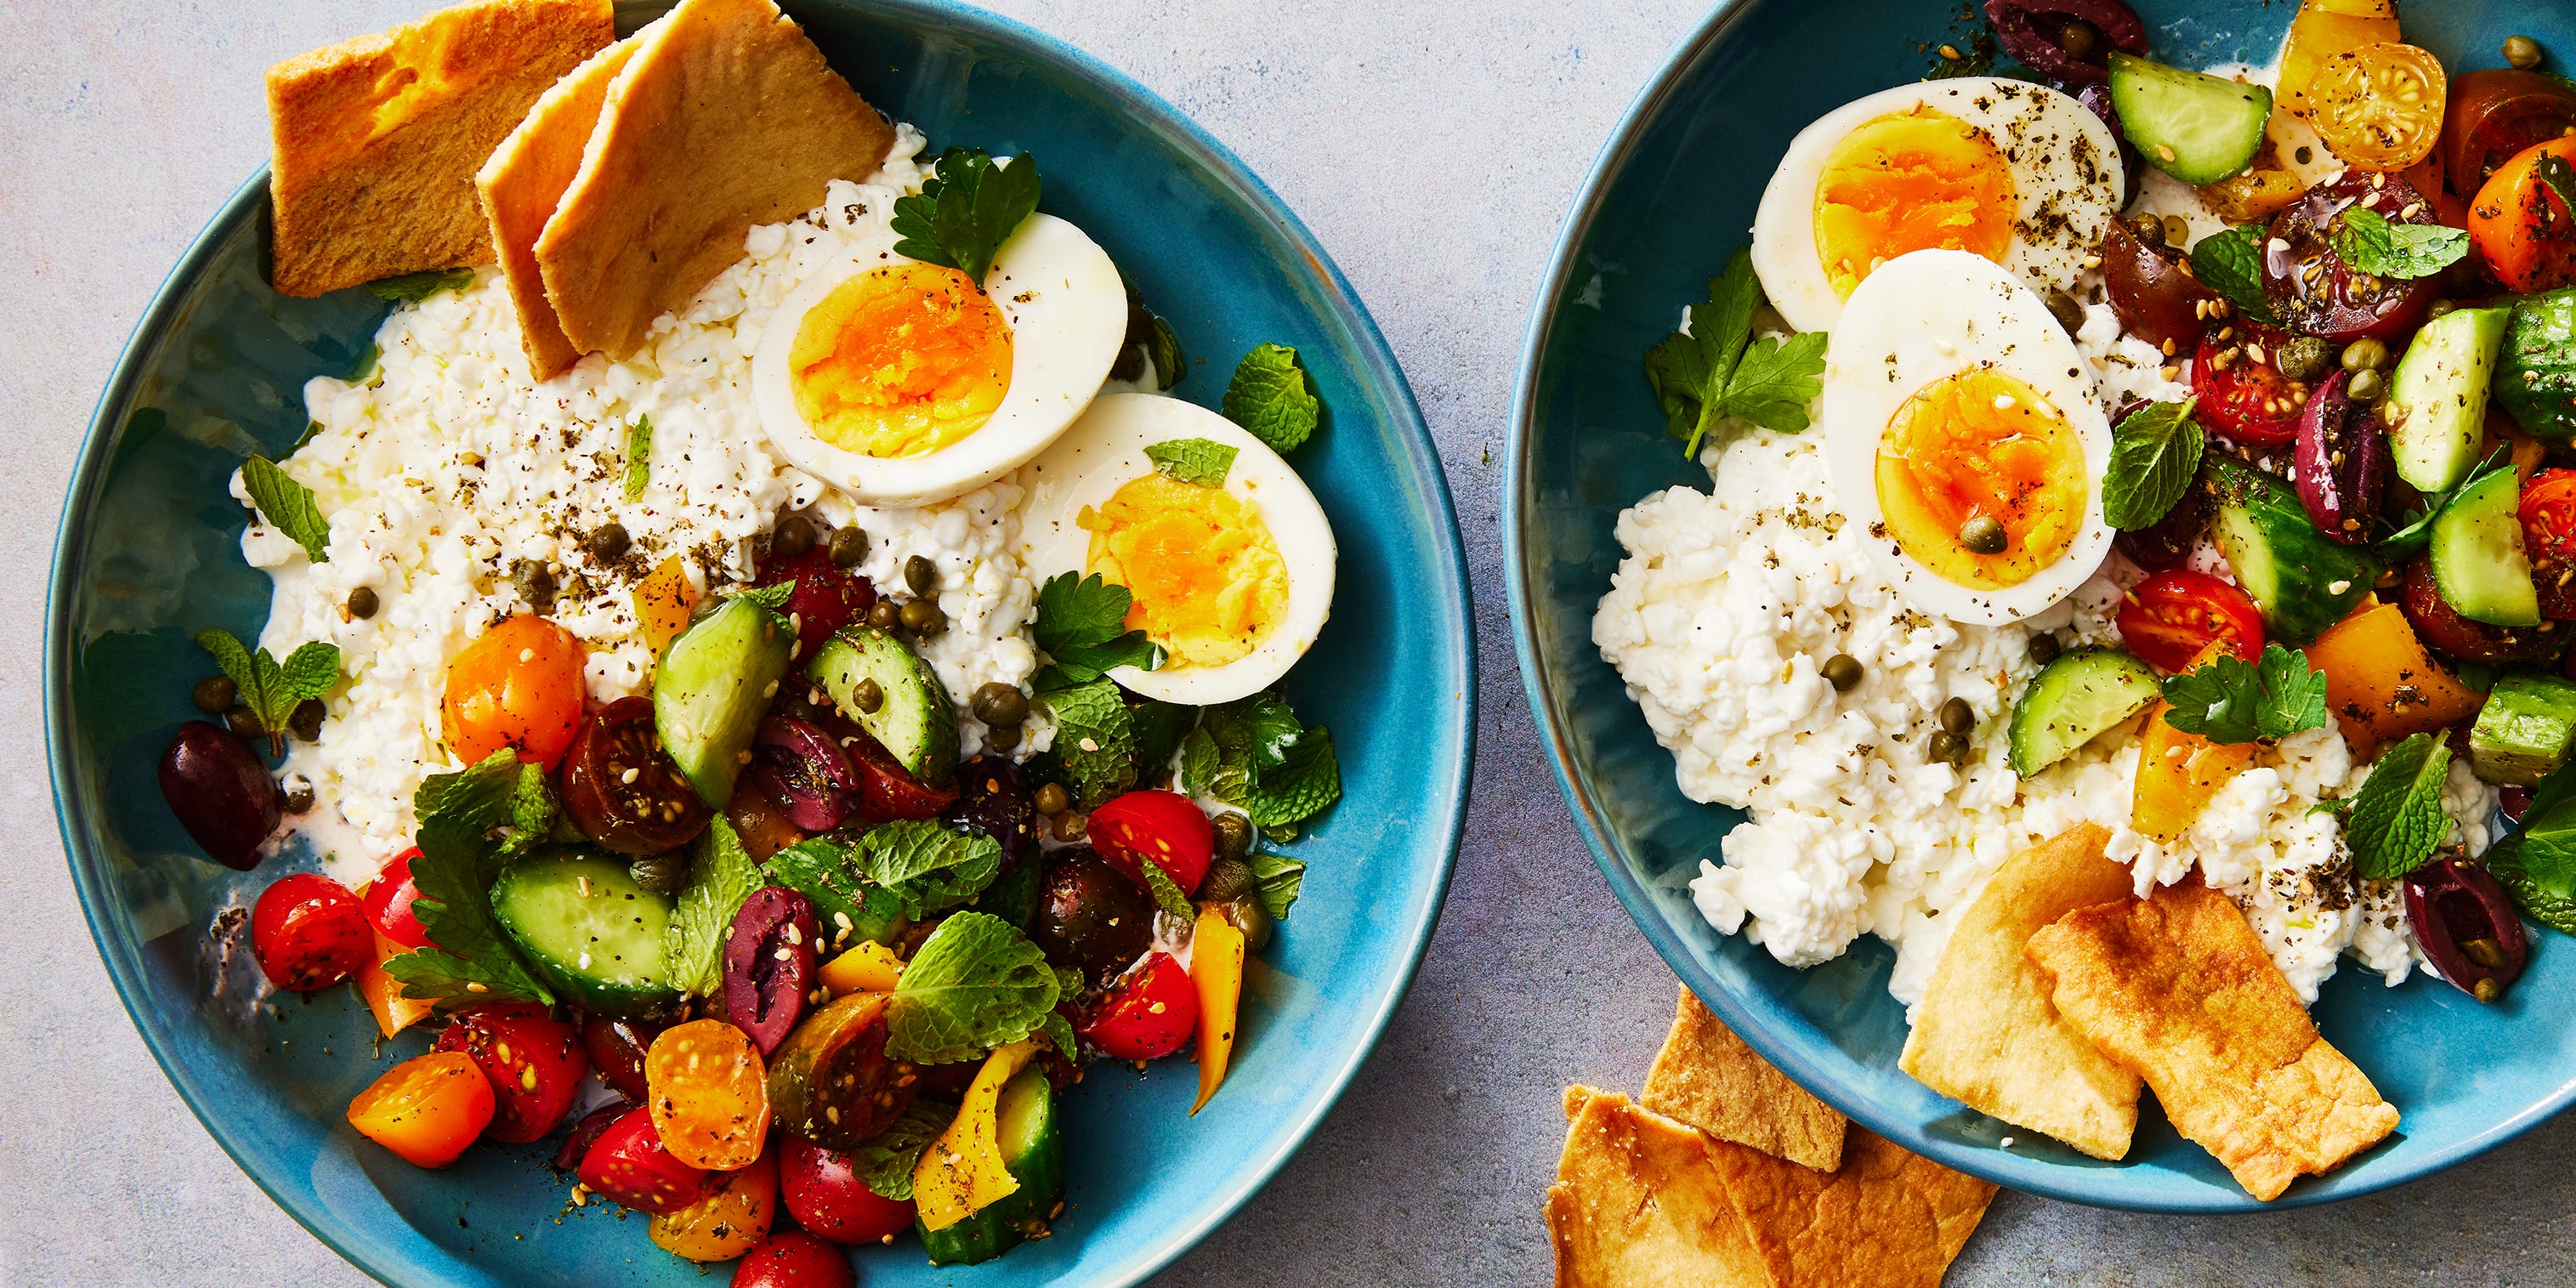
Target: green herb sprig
(272, 689)
(2231, 700)
(1199, 461)
(2155, 455)
(2231, 263)
(1081, 627)
(967, 210)
(1269, 397)
(2368, 242)
(1717, 370)
(288, 506)
(2395, 822)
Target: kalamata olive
(769, 965)
(832, 1081)
(617, 1048)
(2168, 541)
(622, 790)
(586, 1133)
(2442, 626)
(1090, 917)
(993, 798)
(2097, 96)
(2067, 40)
(799, 766)
(221, 793)
(2154, 298)
(2342, 462)
(827, 596)
(2306, 280)
(215, 694)
(2462, 920)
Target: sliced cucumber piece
(2478, 561)
(2525, 729)
(2074, 700)
(588, 929)
(2301, 581)
(714, 684)
(2437, 401)
(2535, 377)
(912, 714)
(1033, 1149)
(2193, 126)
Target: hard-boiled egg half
(902, 383)
(1227, 556)
(1961, 431)
(2015, 172)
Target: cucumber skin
(2535, 375)
(608, 876)
(2148, 94)
(1005, 1225)
(926, 746)
(2034, 713)
(707, 705)
(2280, 558)
(2524, 730)
(2492, 502)
(2437, 398)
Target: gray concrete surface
(1433, 147)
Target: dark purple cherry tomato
(617, 1048)
(221, 791)
(827, 596)
(2465, 924)
(621, 788)
(769, 965)
(2343, 462)
(2170, 540)
(1090, 916)
(994, 798)
(586, 1133)
(2442, 626)
(2308, 284)
(2067, 40)
(798, 766)
(2155, 299)
(887, 791)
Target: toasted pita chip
(724, 117)
(1886, 1218)
(1707, 1077)
(523, 181)
(1986, 1034)
(375, 140)
(1637, 1204)
(2177, 987)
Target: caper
(608, 541)
(2148, 229)
(921, 575)
(2367, 386)
(885, 616)
(661, 873)
(997, 703)
(1247, 915)
(867, 696)
(1227, 878)
(1842, 671)
(848, 546)
(306, 723)
(2043, 648)
(2441, 308)
(1945, 746)
(2485, 952)
(215, 694)
(2522, 52)
(1070, 826)
(921, 617)
(2080, 39)
(2068, 313)
(793, 536)
(295, 795)
(1002, 737)
(2303, 357)
(1233, 835)
(1957, 717)
(2365, 355)
(362, 603)
(245, 722)
(1053, 800)
(1983, 534)
(533, 583)
(2177, 232)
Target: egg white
(1104, 451)
(1925, 316)
(2066, 175)
(1067, 311)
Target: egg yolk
(900, 361)
(1981, 444)
(1207, 579)
(1908, 181)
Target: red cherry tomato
(827, 596)
(823, 1192)
(2241, 396)
(1166, 828)
(2173, 615)
(795, 1259)
(1147, 1015)
(534, 1061)
(2493, 115)
(388, 902)
(629, 1166)
(518, 685)
(2441, 626)
(617, 1050)
(309, 933)
(886, 791)
(2548, 513)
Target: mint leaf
(1268, 396)
(1192, 460)
(1776, 380)
(1257, 756)
(2368, 242)
(1199, 761)
(498, 792)
(1059, 1033)
(721, 877)
(927, 866)
(774, 598)
(2231, 700)
(2537, 863)
(2416, 531)
(823, 870)
(1158, 728)
(1081, 625)
(1300, 787)
(415, 287)
(1095, 742)
(639, 456)
(976, 984)
(1170, 363)
(2231, 263)
(964, 214)
(885, 1163)
(1167, 893)
(2155, 455)
(288, 506)
(272, 692)
(2559, 177)
(2396, 819)
(472, 959)
(1277, 879)
(1689, 370)
(311, 670)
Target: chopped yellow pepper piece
(394, 1012)
(1216, 966)
(869, 968)
(963, 1171)
(662, 603)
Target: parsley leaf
(1276, 882)
(1095, 741)
(1776, 381)
(2155, 454)
(964, 214)
(2416, 531)
(720, 879)
(2231, 700)
(1716, 370)
(639, 456)
(415, 287)
(2368, 242)
(927, 866)
(501, 791)
(2537, 863)
(273, 691)
(1268, 396)
(1079, 621)
(288, 506)
(885, 1163)
(472, 959)
(2396, 821)
(2231, 263)
(1192, 460)
(1170, 363)
(977, 983)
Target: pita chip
(724, 117)
(1707, 1077)
(1986, 1034)
(1637, 1204)
(2178, 988)
(375, 141)
(1886, 1218)
(520, 185)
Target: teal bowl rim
(1381, 371)
(2092, 1187)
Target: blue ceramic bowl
(149, 552)
(1666, 203)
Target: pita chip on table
(2178, 988)
(1986, 1033)
(1638, 1204)
(1707, 1077)
(1886, 1218)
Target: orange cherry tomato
(709, 1094)
(518, 685)
(426, 1109)
(2522, 228)
(2379, 107)
(731, 1220)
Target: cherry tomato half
(709, 1094)
(629, 1166)
(823, 1192)
(2441, 626)
(518, 685)
(1164, 828)
(2548, 512)
(2523, 230)
(426, 1109)
(2241, 395)
(886, 791)
(310, 933)
(388, 901)
(2494, 114)
(795, 1259)
(2173, 615)
(621, 788)
(2379, 107)
(617, 1048)
(827, 596)
(731, 1220)
(2154, 298)
(1148, 1014)
(2307, 281)
(533, 1060)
